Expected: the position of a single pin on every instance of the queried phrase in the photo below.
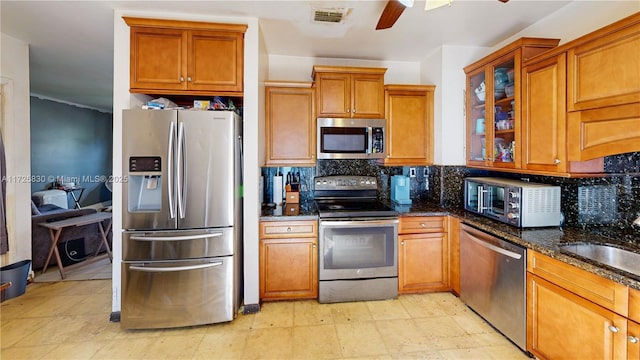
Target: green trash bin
(17, 274)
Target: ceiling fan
(394, 9)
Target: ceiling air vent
(335, 15)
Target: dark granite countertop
(305, 210)
(543, 240)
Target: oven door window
(496, 205)
(343, 140)
(358, 248)
(472, 195)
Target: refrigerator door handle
(174, 238)
(175, 268)
(181, 171)
(172, 212)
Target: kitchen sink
(608, 255)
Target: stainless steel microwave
(340, 138)
(517, 203)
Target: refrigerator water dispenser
(145, 184)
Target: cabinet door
(605, 71)
(288, 268)
(367, 96)
(633, 340)
(215, 61)
(544, 115)
(409, 116)
(158, 58)
(422, 263)
(453, 235)
(479, 129)
(290, 126)
(334, 95)
(561, 325)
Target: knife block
(293, 197)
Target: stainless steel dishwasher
(493, 281)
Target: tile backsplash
(607, 203)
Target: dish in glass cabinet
(501, 79)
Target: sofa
(41, 239)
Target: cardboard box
(201, 104)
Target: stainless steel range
(358, 238)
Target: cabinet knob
(614, 329)
(181, 78)
(289, 229)
(188, 78)
(633, 339)
(348, 110)
(423, 225)
(314, 246)
(402, 243)
(556, 161)
(354, 111)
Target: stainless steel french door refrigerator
(182, 218)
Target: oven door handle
(359, 223)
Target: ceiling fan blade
(390, 14)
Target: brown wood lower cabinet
(423, 257)
(454, 254)
(562, 325)
(288, 260)
(574, 314)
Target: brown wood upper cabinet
(409, 114)
(603, 95)
(349, 92)
(494, 105)
(186, 57)
(290, 124)
(545, 139)
(584, 97)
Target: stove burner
(347, 196)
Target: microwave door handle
(369, 140)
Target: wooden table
(56, 227)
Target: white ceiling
(71, 42)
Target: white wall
(253, 117)
(294, 68)
(444, 68)
(14, 72)
(576, 19)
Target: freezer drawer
(163, 294)
(177, 245)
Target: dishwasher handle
(495, 248)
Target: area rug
(94, 268)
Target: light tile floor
(70, 320)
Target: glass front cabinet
(493, 104)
